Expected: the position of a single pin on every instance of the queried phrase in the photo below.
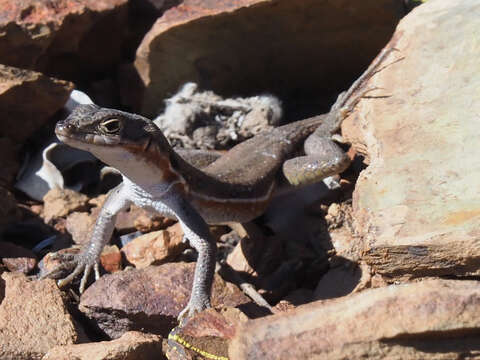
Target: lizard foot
(193, 307)
(75, 264)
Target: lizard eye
(110, 126)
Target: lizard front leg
(89, 257)
(197, 232)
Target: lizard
(236, 187)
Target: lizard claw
(192, 308)
(80, 264)
(186, 313)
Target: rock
(257, 255)
(151, 222)
(342, 279)
(80, 226)
(149, 299)
(230, 65)
(71, 39)
(394, 322)
(295, 298)
(33, 318)
(44, 96)
(155, 247)
(17, 258)
(132, 345)
(111, 258)
(97, 201)
(11, 162)
(338, 214)
(205, 333)
(141, 16)
(61, 202)
(137, 218)
(416, 206)
(9, 211)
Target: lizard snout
(63, 128)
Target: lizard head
(90, 126)
(117, 138)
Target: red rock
(149, 299)
(17, 258)
(67, 38)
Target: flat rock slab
(417, 205)
(393, 322)
(148, 299)
(33, 318)
(251, 46)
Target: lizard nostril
(61, 127)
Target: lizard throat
(145, 163)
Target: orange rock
(111, 258)
(61, 202)
(132, 345)
(33, 318)
(393, 322)
(155, 247)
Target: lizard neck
(155, 167)
(147, 167)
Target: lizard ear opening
(110, 126)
